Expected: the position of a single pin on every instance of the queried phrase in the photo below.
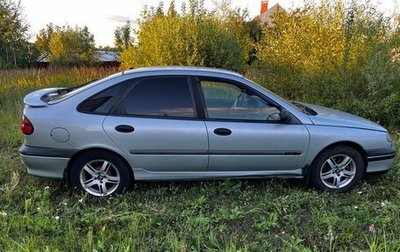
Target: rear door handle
(222, 132)
(124, 128)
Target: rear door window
(159, 97)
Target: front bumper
(380, 160)
(45, 162)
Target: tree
(171, 10)
(71, 46)
(122, 37)
(14, 46)
(197, 37)
(43, 38)
(337, 54)
(66, 45)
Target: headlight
(389, 138)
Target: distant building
(42, 61)
(267, 16)
(105, 59)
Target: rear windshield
(65, 93)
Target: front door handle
(124, 128)
(222, 132)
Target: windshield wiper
(306, 110)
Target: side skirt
(142, 174)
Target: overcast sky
(103, 16)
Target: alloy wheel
(338, 171)
(99, 177)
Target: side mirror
(285, 116)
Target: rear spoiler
(40, 98)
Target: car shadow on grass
(275, 185)
(298, 184)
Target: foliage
(66, 45)
(122, 37)
(43, 38)
(336, 55)
(194, 37)
(14, 47)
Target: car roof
(184, 69)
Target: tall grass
(15, 84)
(252, 215)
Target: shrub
(193, 38)
(335, 55)
(66, 45)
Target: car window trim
(136, 81)
(199, 99)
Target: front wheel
(337, 169)
(100, 173)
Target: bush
(66, 45)
(194, 38)
(336, 56)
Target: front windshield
(295, 105)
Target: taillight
(26, 126)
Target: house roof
(106, 56)
(267, 18)
(43, 58)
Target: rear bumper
(380, 160)
(45, 162)
(51, 167)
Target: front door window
(228, 101)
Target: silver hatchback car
(181, 123)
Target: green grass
(38, 214)
(15, 84)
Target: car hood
(332, 117)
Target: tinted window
(103, 101)
(169, 97)
(228, 101)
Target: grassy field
(39, 214)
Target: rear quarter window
(103, 102)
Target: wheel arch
(76, 155)
(353, 145)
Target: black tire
(322, 166)
(117, 168)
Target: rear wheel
(100, 173)
(337, 169)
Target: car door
(156, 125)
(245, 131)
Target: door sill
(143, 174)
